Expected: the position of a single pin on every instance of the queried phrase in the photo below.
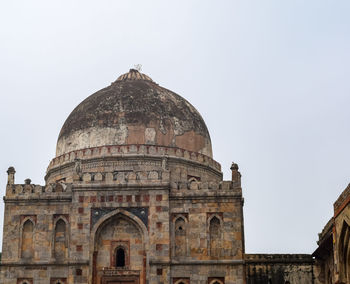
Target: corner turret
(11, 175)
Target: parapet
(278, 258)
(124, 150)
(28, 191)
(326, 231)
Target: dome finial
(134, 74)
(138, 67)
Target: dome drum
(131, 157)
(133, 118)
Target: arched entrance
(344, 253)
(119, 245)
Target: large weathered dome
(134, 111)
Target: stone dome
(134, 110)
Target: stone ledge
(278, 258)
(198, 262)
(207, 197)
(28, 199)
(15, 264)
(112, 187)
(124, 150)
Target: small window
(120, 258)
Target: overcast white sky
(270, 78)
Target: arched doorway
(120, 255)
(119, 249)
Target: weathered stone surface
(279, 268)
(129, 157)
(332, 254)
(134, 111)
(134, 194)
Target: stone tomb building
(132, 196)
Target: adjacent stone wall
(279, 269)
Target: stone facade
(135, 196)
(116, 211)
(72, 231)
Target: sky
(270, 78)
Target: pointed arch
(344, 252)
(102, 226)
(192, 179)
(180, 235)
(123, 213)
(25, 281)
(182, 281)
(216, 281)
(27, 239)
(60, 239)
(215, 235)
(58, 281)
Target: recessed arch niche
(119, 242)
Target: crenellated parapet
(193, 186)
(128, 173)
(131, 164)
(28, 191)
(204, 186)
(224, 191)
(125, 150)
(121, 177)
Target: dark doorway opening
(120, 258)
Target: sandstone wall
(140, 200)
(279, 269)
